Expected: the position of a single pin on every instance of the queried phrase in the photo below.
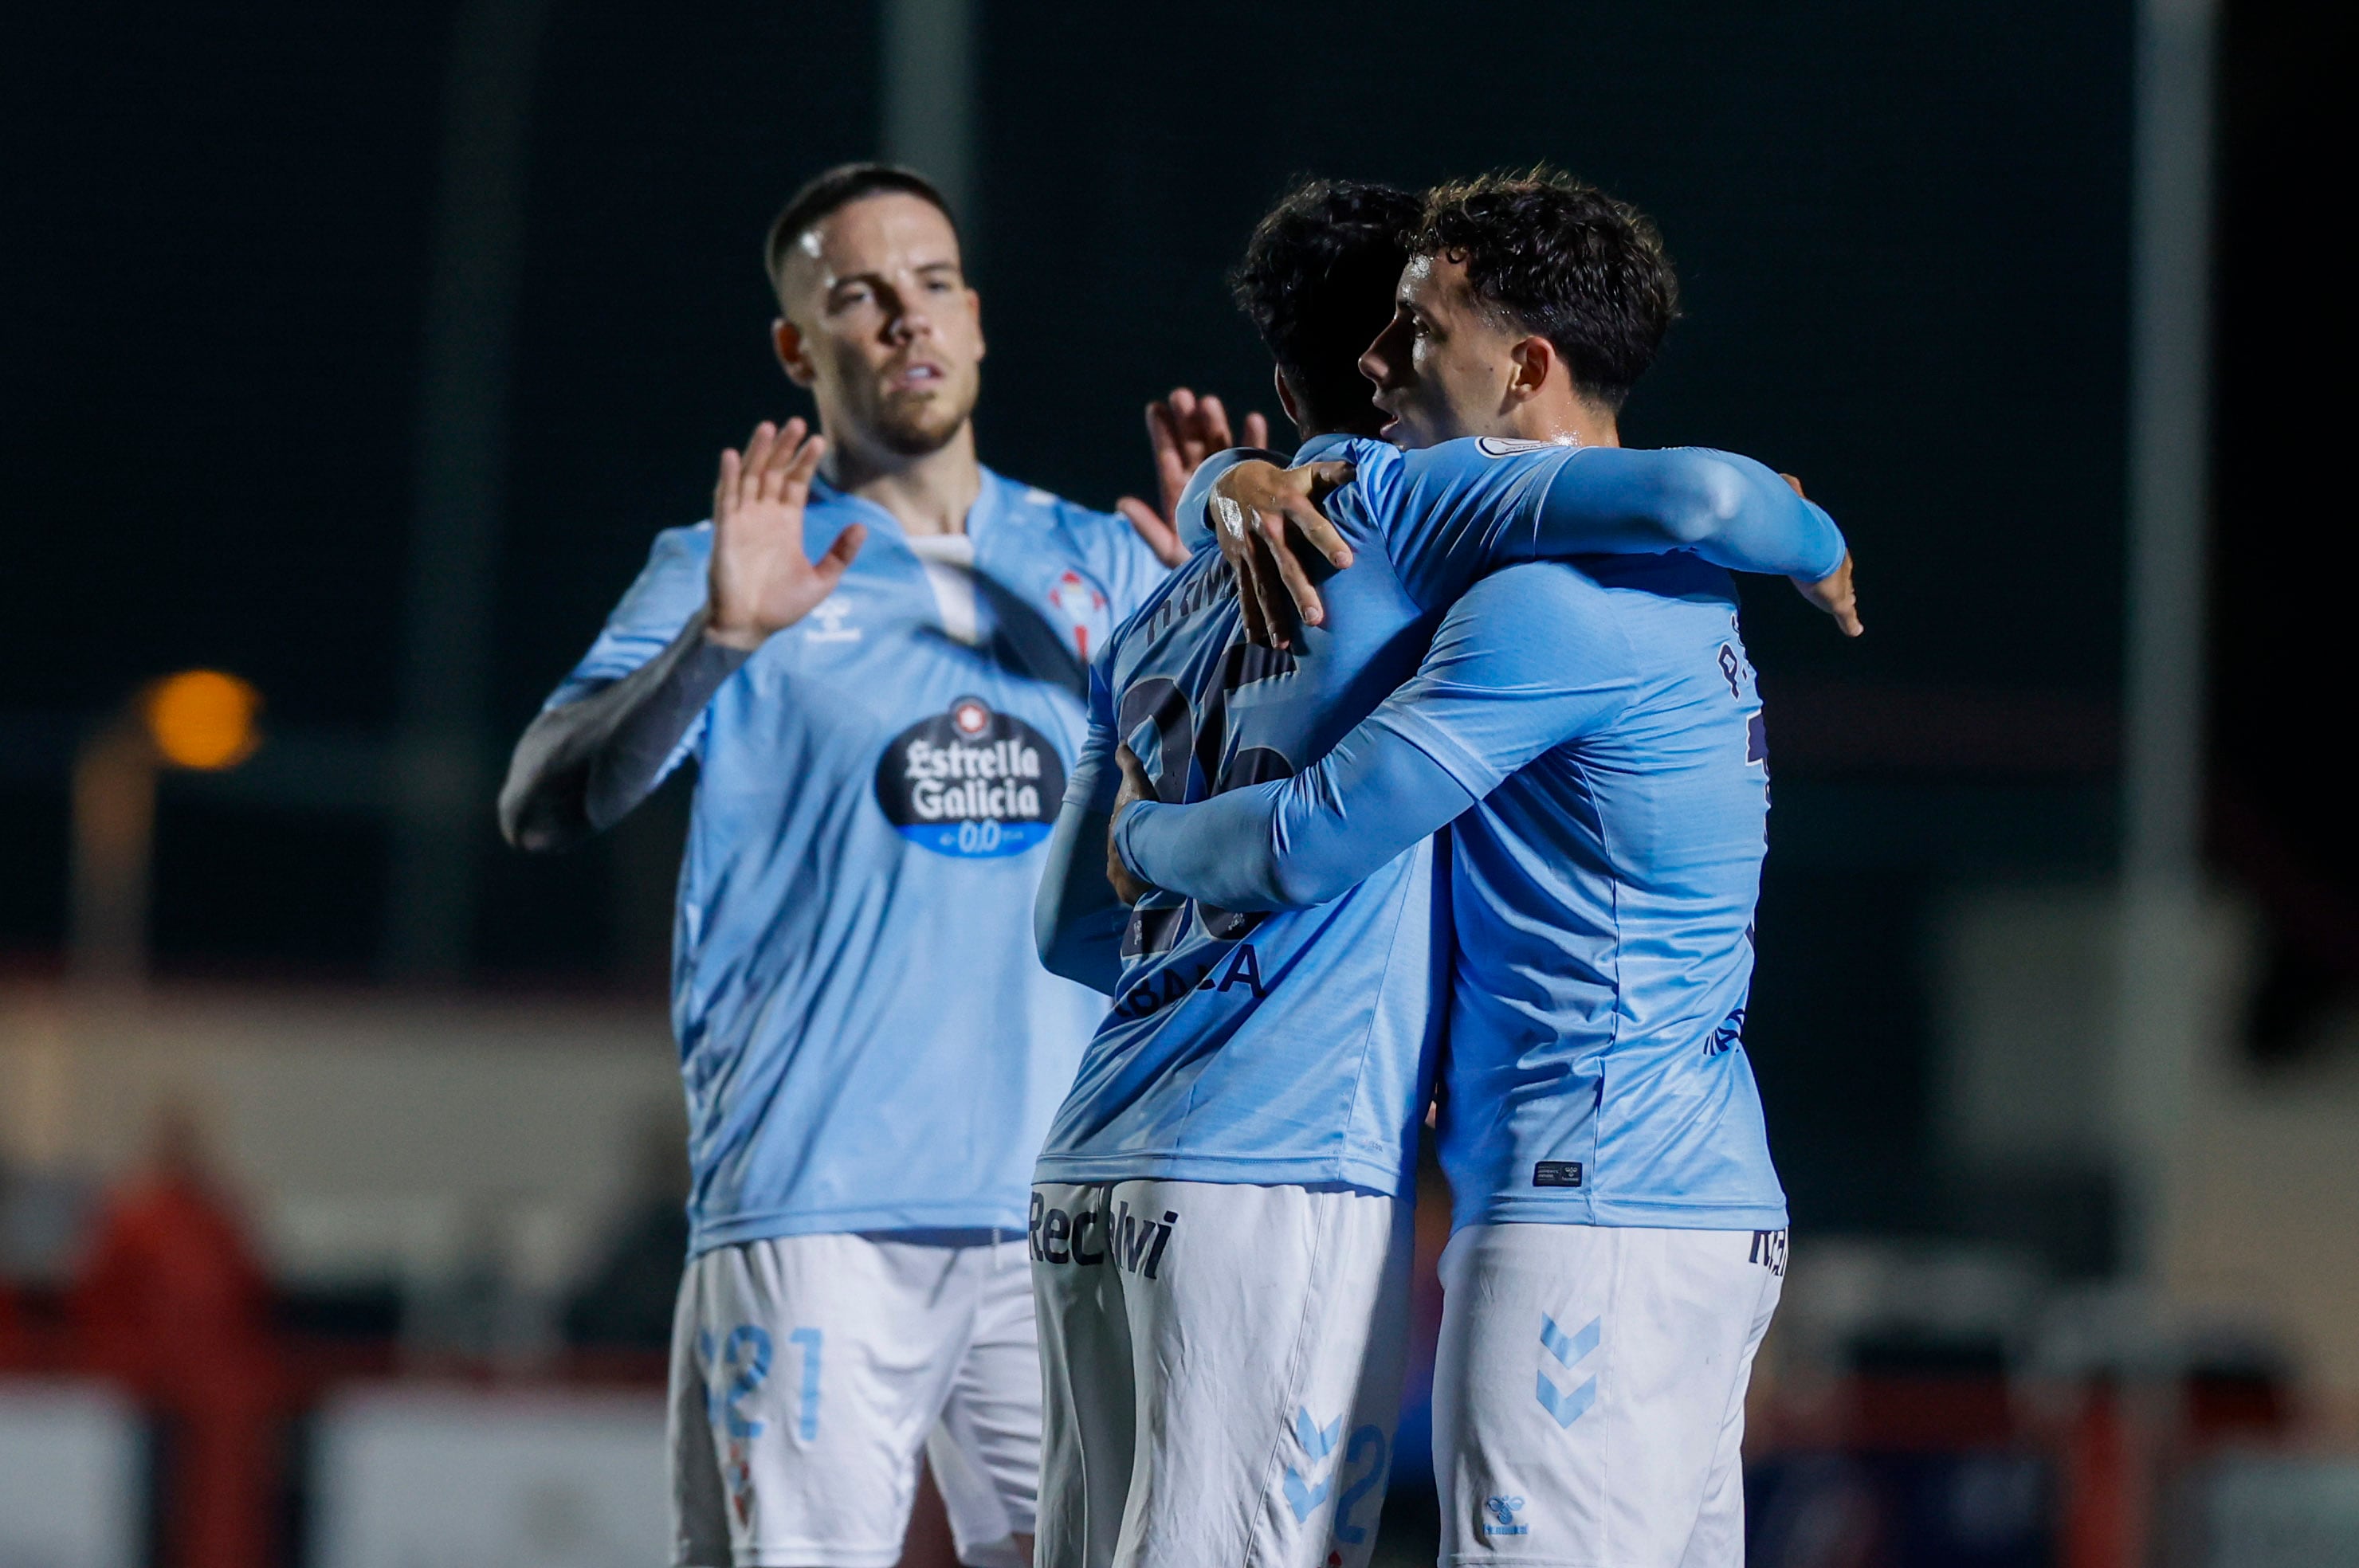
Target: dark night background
(1903, 235)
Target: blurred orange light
(204, 719)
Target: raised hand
(1183, 430)
(763, 580)
(1257, 508)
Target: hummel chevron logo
(1318, 1443)
(1568, 1349)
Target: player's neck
(930, 493)
(1570, 420)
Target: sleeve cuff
(1123, 827)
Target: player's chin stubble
(917, 426)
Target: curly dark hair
(1562, 259)
(1318, 279)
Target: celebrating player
(1218, 1226)
(1593, 738)
(875, 653)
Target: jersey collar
(981, 518)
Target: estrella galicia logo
(1502, 1519)
(971, 781)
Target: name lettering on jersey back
(1238, 969)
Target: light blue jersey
(1297, 1048)
(1594, 742)
(868, 1040)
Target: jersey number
(1187, 750)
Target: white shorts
(807, 1371)
(1223, 1368)
(1589, 1392)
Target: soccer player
(1219, 1221)
(875, 653)
(1593, 738)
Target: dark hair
(1318, 280)
(839, 187)
(1562, 259)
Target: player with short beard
(875, 652)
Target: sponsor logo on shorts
(1557, 1174)
(1499, 1517)
(1093, 1236)
(970, 782)
(1568, 1350)
(1769, 1252)
(1304, 1495)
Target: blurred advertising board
(462, 1478)
(73, 1478)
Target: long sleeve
(1077, 919)
(1732, 511)
(1524, 662)
(628, 713)
(582, 765)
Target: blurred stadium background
(355, 354)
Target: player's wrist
(743, 634)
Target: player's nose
(1377, 362)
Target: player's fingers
(770, 483)
(1163, 435)
(1278, 613)
(830, 567)
(1290, 568)
(758, 457)
(1324, 535)
(725, 489)
(1162, 427)
(801, 466)
(1238, 556)
(1796, 484)
(1213, 426)
(1148, 525)
(1256, 429)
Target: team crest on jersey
(971, 781)
(1083, 610)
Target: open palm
(763, 577)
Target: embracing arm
(1076, 917)
(1525, 660)
(1732, 511)
(1295, 842)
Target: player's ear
(975, 313)
(794, 354)
(1531, 362)
(1285, 395)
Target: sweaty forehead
(1435, 282)
(887, 234)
